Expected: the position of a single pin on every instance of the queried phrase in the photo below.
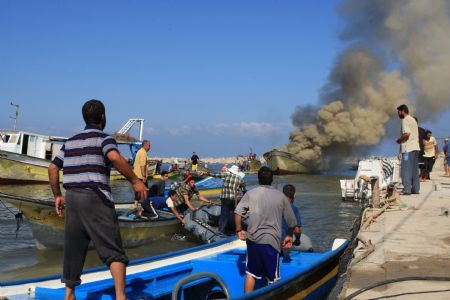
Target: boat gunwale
(134, 262)
(31, 162)
(48, 203)
(266, 292)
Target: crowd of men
(89, 212)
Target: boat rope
(18, 216)
(208, 228)
(389, 281)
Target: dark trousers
(226, 211)
(88, 217)
(410, 172)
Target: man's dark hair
(265, 176)
(164, 173)
(93, 111)
(403, 108)
(428, 131)
(289, 191)
(171, 193)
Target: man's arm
(175, 212)
(53, 176)
(204, 199)
(291, 222)
(217, 175)
(188, 203)
(122, 166)
(239, 231)
(144, 172)
(403, 138)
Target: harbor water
(324, 216)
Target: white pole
(141, 130)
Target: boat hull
(22, 169)
(254, 165)
(307, 276)
(285, 163)
(48, 228)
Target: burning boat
(285, 163)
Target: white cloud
(180, 131)
(231, 129)
(152, 131)
(250, 128)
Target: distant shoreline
(209, 160)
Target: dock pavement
(409, 239)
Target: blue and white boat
(195, 273)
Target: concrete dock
(411, 238)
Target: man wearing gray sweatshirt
(265, 207)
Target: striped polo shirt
(84, 161)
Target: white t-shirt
(169, 202)
(429, 147)
(412, 143)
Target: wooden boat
(25, 156)
(194, 274)
(22, 169)
(285, 163)
(48, 228)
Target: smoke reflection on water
(324, 218)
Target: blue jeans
(226, 211)
(410, 172)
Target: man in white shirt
(409, 152)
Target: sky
(215, 77)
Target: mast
(17, 114)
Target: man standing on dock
(90, 215)
(409, 151)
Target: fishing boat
(285, 163)
(25, 156)
(373, 177)
(48, 228)
(196, 273)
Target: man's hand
(399, 156)
(287, 243)
(241, 234)
(59, 205)
(140, 188)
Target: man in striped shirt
(86, 160)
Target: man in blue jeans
(409, 152)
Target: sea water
(324, 217)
